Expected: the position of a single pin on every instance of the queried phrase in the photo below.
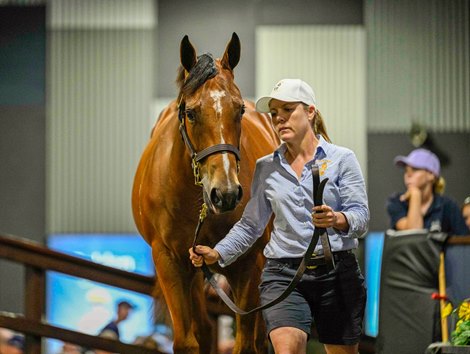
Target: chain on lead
(203, 212)
(196, 172)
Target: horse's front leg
(251, 329)
(201, 321)
(175, 280)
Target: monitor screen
(374, 242)
(87, 306)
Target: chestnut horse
(209, 113)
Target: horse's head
(210, 113)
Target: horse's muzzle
(226, 200)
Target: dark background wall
(209, 26)
(22, 136)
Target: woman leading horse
(202, 150)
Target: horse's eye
(191, 116)
(242, 111)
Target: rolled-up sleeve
(354, 203)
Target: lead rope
(324, 239)
(318, 188)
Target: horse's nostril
(240, 194)
(216, 197)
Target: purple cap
(420, 158)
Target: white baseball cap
(288, 90)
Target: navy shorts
(334, 300)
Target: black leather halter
(197, 157)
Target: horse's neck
(179, 168)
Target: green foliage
(461, 334)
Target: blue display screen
(374, 242)
(86, 306)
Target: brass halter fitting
(196, 171)
(203, 212)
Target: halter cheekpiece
(197, 157)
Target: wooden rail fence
(37, 260)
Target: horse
(202, 151)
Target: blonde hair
(439, 185)
(318, 124)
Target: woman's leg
(341, 349)
(288, 322)
(289, 340)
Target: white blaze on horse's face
(216, 96)
(225, 156)
(221, 188)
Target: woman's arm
(244, 233)
(414, 217)
(353, 217)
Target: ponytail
(439, 185)
(319, 126)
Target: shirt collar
(323, 148)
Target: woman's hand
(204, 254)
(414, 218)
(411, 193)
(324, 216)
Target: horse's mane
(203, 70)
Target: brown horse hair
(203, 70)
(161, 312)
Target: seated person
(14, 345)
(111, 330)
(466, 211)
(422, 205)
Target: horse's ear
(232, 53)
(187, 54)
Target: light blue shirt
(277, 190)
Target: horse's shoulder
(254, 122)
(166, 119)
(258, 121)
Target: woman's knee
(341, 349)
(288, 340)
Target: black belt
(314, 261)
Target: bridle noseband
(197, 157)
